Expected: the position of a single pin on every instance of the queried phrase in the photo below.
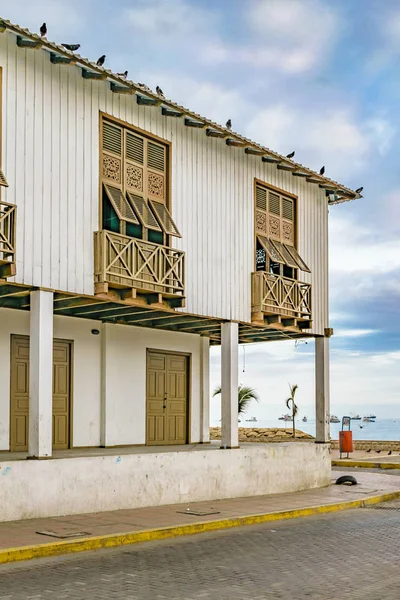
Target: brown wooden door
(19, 394)
(167, 398)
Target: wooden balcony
(281, 301)
(138, 270)
(7, 239)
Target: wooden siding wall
(50, 150)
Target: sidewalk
(20, 540)
(367, 460)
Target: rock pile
(256, 434)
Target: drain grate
(388, 506)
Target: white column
(204, 390)
(104, 409)
(229, 385)
(41, 375)
(322, 402)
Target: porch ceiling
(17, 296)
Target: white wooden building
(134, 234)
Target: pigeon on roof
(228, 124)
(160, 92)
(322, 171)
(71, 47)
(43, 30)
(101, 60)
(124, 74)
(291, 154)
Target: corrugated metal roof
(338, 192)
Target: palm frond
(217, 391)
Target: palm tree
(290, 401)
(245, 395)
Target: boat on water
(251, 420)
(356, 418)
(334, 419)
(304, 419)
(369, 419)
(285, 418)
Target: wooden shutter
(287, 257)
(297, 258)
(120, 204)
(164, 218)
(261, 210)
(156, 171)
(134, 162)
(287, 220)
(3, 180)
(270, 249)
(144, 212)
(274, 219)
(112, 153)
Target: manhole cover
(63, 534)
(198, 513)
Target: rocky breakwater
(257, 434)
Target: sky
(318, 76)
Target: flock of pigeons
(100, 62)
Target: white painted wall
(51, 160)
(124, 380)
(31, 489)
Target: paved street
(352, 555)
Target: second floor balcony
(7, 239)
(139, 269)
(280, 300)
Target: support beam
(215, 133)
(192, 123)
(105, 392)
(229, 385)
(236, 143)
(27, 43)
(322, 403)
(147, 101)
(121, 89)
(168, 112)
(93, 74)
(59, 59)
(41, 375)
(204, 390)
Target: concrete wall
(124, 380)
(31, 489)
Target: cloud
(353, 333)
(61, 16)
(294, 36)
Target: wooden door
(167, 398)
(19, 394)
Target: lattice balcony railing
(7, 238)
(125, 262)
(277, 295)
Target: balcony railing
(7, 239)
(125, 262)
(277, 295)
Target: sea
(382, 429)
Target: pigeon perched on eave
(124, 74)
(71, 47)
(43, 30)
(359, 190)
(228, 124)
(322, 171)
(291, 154)
(160, 92)
(145, 87)
(101, 60)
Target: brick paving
(23, 533)
(351, 555)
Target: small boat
(334, 419)
(368, 420)
(286, 418)
(304, 419)
(356, 418)
(369, 417)
(251, 420)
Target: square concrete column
(204, 390)
(229, 384)
(322, 400)
(105, 392)
(41, 375)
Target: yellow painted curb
(122, 539)
(362, 464)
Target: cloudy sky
(320, 76)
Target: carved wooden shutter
(271, 249)
(261, 210)
(134, 163)
(287, 220)
(274, 212)
(164, 218)
(156, 172)
(112, 136)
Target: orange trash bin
(346, 441)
